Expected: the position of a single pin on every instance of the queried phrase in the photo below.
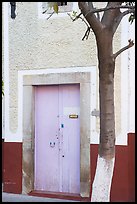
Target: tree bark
(107, 117)
(106, 94)
(106, 157)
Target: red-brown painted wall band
(119, 191)
(12, 167)
(2, 158)
(131, 164)
(123, 182)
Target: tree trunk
(102, 181)
(107, 116)
(106, 157)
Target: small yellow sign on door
(73, 116)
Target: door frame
(58, 91)
(29, 81)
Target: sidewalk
(9, 197)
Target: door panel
(57, 138)
(70, 138)
(46, 143)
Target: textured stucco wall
(2, 42)
(3, 116)
(39, 44)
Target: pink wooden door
(57, 138)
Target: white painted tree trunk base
(102, 182)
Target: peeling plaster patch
(102, 181)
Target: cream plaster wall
(3, 116)
(55, 43)
(132, 80)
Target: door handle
(52, 144)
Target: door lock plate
(73, 116)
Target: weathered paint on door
(57, 138)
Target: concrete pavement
(9, 197)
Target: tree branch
(86, 35)
(110, 14)
(91, 18)
(90, 4)
(78, 16)
(108, 8)
(50, 15)
(119, 18)
(131, 43)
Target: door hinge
(95, 113)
